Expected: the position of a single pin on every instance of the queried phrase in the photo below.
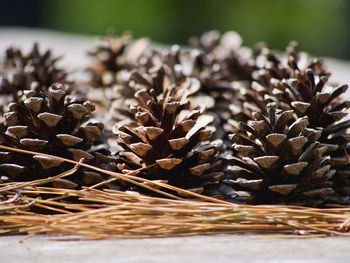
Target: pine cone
(271, 65)
(280, 163)
(35, 66)
(51, 123)
(34, 70)
(311, 95)
(300, 83)
(173, 138)
(114, 55)
(235, 62)
(181, 63)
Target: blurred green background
(320, 26)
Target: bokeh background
(320, 26)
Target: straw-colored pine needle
(98, 214)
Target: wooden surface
(203, 249)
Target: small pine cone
(34, 70)
(271, 65)
(114, 55)
(279, 163)
(181, 63)
(235, 62)
(174, 139)
(51, 123)
(35, 66)
(14, 57)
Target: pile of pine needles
(89, 213)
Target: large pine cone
(166, 133)
(51, 123)
(280, 163)
(309, 94)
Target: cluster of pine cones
(245, 125)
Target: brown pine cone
(112, 56)
(177, 140)
(158, 79)
(51, 123)
(279, 163)
(34, 70)
(300, 83)
(272, 65)
(310, 95)
(235, 62)
(23, 70)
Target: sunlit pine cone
(165, 133)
